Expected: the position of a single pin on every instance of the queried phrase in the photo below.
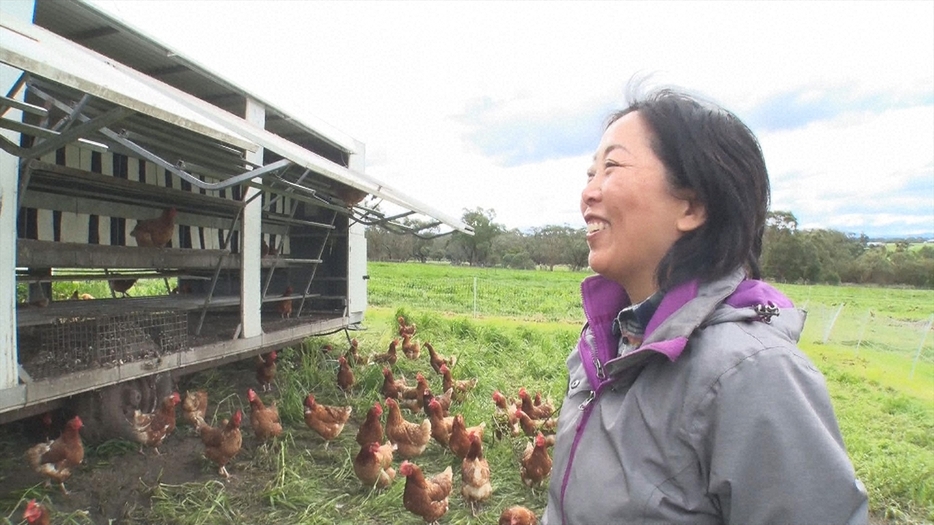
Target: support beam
(53, 143)
(7, 102)
(251, 237)
(11, 83)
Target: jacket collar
(682, 310)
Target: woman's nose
(591, 191)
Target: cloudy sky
(499, 105)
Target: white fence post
(475, 297)
(832, 322)
(920, 346)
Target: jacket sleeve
(773, 446)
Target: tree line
(789, 254)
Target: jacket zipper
(583, 405)
(598, 365)
(586, 407)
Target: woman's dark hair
(709, 151)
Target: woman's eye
(590, 174)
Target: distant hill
(929, 238)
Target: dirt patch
(115, 479)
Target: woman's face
(633, 216)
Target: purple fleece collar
(603, 299)
(750, 292)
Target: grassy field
(512, 329)
(884, 398)
(62, 290)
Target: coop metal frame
(110, 106)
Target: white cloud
(872, 161)
(400, 76)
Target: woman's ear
(694, 213)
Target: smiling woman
(687, 393)
(629, 202)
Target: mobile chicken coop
(103, 127)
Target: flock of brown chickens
(425, 496)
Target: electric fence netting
(831, 321)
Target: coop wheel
(107, 412)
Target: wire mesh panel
(74, 344)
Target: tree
(787, 254)
(781, 221)
(836, 252)
(874, 266)
(394, 243)
(511, 250)
(475, 249)
(780, 247)
(380, 244)
(419, 249)
(553, 245)
(579, 250)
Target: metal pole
(832, 322)
(920, 346)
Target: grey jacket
(717, 418)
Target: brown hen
(284, 306)
(328, 421)
(461, 387)
(266, 370)
(436, 359)
(542, 410)
(412, 438)
(440, 425)
(221, 444)
(56, 459)
(152, 428)
(392, 387)
(475, 476)
(536, 463)
(195, 407)
(372, 428)
(353, 354)
(426, 498)
(517, 515)
(156, 232)
(122, 286)
(345, 377)
(410, 348)
(263, 419)
(36, 514)
(390, 357)
(459, 443)
(373, 465)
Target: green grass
(901, 303)
(525, 294)
(297, 481)
(526, 323)
(888, 430)
(62, 290)
(883, 398)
